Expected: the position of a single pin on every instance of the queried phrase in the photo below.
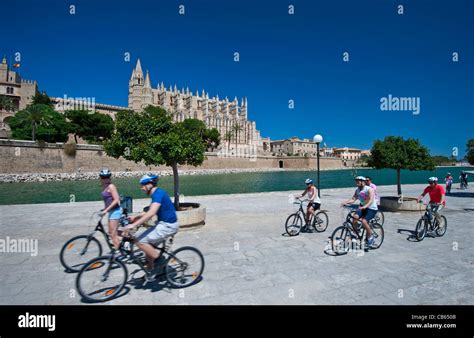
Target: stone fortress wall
(29, 157)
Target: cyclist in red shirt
(437, 195)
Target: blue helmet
(148, 179)
(308, 181)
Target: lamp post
(318, 139)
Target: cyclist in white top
(368, 206)
(314, 203)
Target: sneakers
(371, 240)
(118, 255)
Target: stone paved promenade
(249, 261)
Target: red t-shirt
(435, 193)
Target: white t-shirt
(363, 196)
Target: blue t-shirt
(167, 212)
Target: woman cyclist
(112, 205)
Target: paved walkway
(249, 261)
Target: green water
(52, 192)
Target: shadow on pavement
(122, 293)
(411, 234)
(461, 194)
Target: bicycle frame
(360, 226)
(100, 228)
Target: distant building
(19, 90)
(347, 153)
(293, 146)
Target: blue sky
(282, 57)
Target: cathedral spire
(4, 60)
(147, 80)
(138, 67)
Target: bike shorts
(315, 205)
(158, 233)
(367, 214)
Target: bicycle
(430, 222)
(379, 216)
(80, 249)
(104, 277)
(343, 236)
(294, 223)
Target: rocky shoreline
(81, 176)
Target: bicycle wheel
(293, 224)
(380, 217)
(78, 251)
(420, 230)
(341, 240)
(442, 226)
(101, 279)
(320, 221)
(378, 234)
(184, 267)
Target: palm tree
(35, 115)
(6, 103)
(237, 128)
(228, 138)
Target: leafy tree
(93, 127)
(42, 98)
(39, 122)
(396, 153)
(31, 117)
(213, 138)
(440, 160)
(6, 103)
(210, 136)
(151, 137)
(470, 151)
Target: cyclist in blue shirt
(166, 226)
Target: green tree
(237, 128)
(396, 153)
(39, 122)
(213, 138)
(151, 137)
(93, 127)
(440, 160)
(42, 98)
(6, 103)
(33, 116)
(470, 151)
(210, 136)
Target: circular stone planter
(191, 215)
(395, 203)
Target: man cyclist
(314, 203)
(367, 209)
(373, 186)
(437, 197)
(449, 182)
(166, 225)
(463, 178)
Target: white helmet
(105, 173)
(433, 179)
(360, 178)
